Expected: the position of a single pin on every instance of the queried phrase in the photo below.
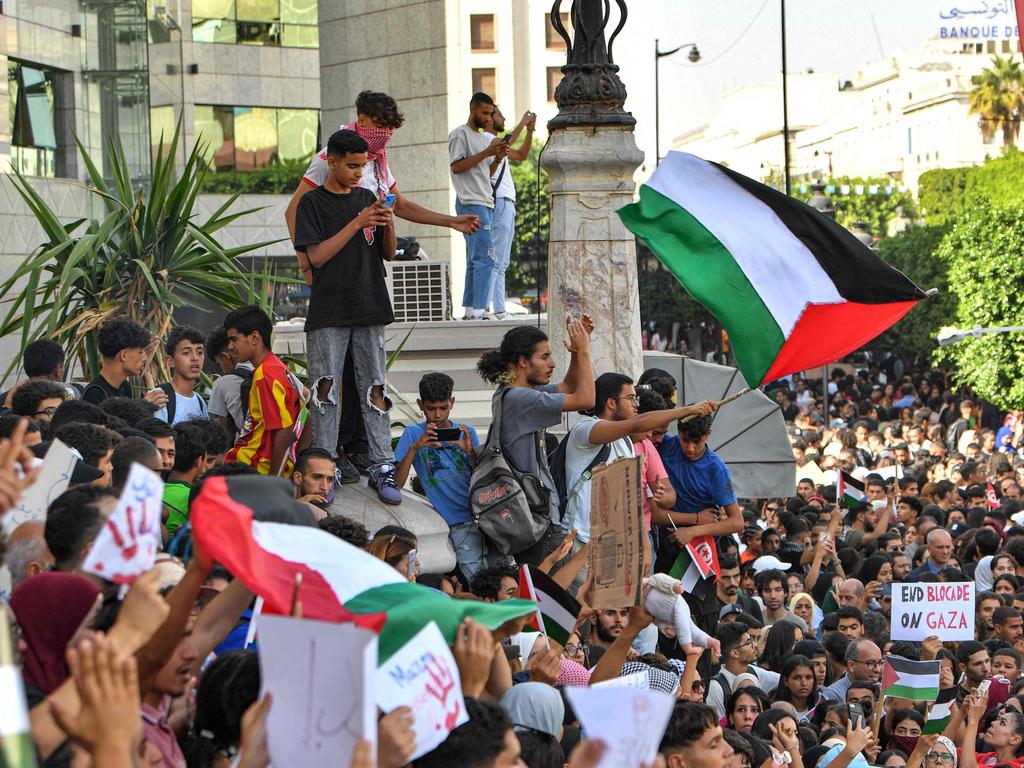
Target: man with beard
(313, 477)
(608, 625)
(727, 591)
(900, 567)
(866, 525)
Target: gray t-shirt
(528, 411)
(472, 187)
(226, 398)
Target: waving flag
(557, 610)
(793, 289)
(914, 680)
(849, 491)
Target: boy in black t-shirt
(347, 234)
(125, 347)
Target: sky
(739, 41)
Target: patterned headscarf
(947, 745)
(377, 139)
(573, 673)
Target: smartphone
(983, 687)
(412, 562)
(823, 536)
(389, 201)
(452, 434)
(856, 714)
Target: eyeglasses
(634, 398)
(47, 411)
(869, 663)
(572, 649)
(942, 758)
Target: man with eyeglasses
(37, 399)
(863, 662)
(739, 651)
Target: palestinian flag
(254, 527)
(849, 491)
(697, 566)
(792, 288)
(914, 680)
(941, 712)
(557, 610)
(16, 747)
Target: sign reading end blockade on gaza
(920, 610)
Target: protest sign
(617, 534)
(636, 680)
(920, 610)
(128, 542)
(631, 721)
(423, 675)
(52, 481)
(321, 676)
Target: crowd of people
(777, 660)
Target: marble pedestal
(591, 254)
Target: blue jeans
(468, 542)
(503, 229)
(479, 257)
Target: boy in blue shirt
(443, 467)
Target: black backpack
(245, 375)
(556, 462)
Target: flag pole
(720, 403)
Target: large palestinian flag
(254, 527)
(793, 289)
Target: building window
(554, 78)
(481, 32)
(33, 118)
(251, 138)
(552, 40)
(289, 23)
(485, 81)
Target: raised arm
(611, 663)
(731, 523)
(609, 431)
(520, 153)
(406, 209)
(581, 394)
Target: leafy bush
(275, 179)
(876, 209)
(947, 193)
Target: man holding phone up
(443, 453)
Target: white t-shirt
(316, 173)
(506, 188)
(579, 452)
(185, 408)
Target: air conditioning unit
(419, 291)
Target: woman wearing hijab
(939, 752)
(983, 574)
(802, 605)
(537, 710)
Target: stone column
(591, 255)
(591, 158)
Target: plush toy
(664, 601)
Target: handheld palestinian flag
(697, 566)
(254, 527)
(557, 610)
(297, 430)
(941, 712)
(849, 491)
(16, 747)
(914, 680)
(792, 288)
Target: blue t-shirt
(444, 471)
(701, 484)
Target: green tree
(914, 252)
(146, 256)
(947, 193)
(877, 203)
(985, 254)
(530, 242)
(663, 299)
(997, 98)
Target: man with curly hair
(37, 399)
(125, 347)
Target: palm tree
(997, 98)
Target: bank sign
(978, 20)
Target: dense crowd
(775, 658)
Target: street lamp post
(785, 102)
(694, 57)
(948, 336)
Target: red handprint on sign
(441, 686)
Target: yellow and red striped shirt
(273, 404)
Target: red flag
(990, 492)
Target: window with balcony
(485, 81)
(481, 32)
(288, 23)
(33, 118)
(552, 40)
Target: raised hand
(544, 666)
(16, 471)
(254, 750)
(396, 738)
(473, 651)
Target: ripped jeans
(325, 351)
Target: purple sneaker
(383, 480)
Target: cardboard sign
(631, 721)
(423, 675)
(128, 542)
(321, 676)
(920, 610)
(52, 481)
(617, 534)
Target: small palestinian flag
(849, 491)
(914, 680)
(697, 566)
(792, 287)
(941, 712)
(557, 610)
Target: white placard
(631, 721)
(52, 481)
(920, 610)
(130, 538)
(321, 676)
(635, 680)
(423, 675)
